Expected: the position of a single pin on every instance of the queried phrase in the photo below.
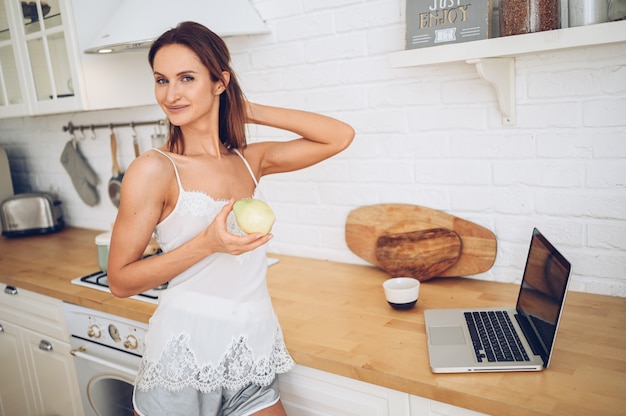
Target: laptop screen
(542, 293)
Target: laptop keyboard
(494, 337)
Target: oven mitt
(83, 177)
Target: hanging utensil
(115, 183)
(135, 142)
(158, 138)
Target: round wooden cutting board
(416, 241)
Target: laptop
(459, 340)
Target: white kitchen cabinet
(43, 69)
(306, 391)
(421, 406)
(15, 388)
(38, 376)
(12, 85)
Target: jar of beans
(526, 16)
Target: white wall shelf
(495, 58)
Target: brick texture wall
(428, 135)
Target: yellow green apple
(254, 216)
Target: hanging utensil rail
(71, 128)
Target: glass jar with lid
(527, 16)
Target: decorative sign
(437, 22)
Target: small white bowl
(402, 292)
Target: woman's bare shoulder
(254, 152)
(147, 183)
(151, 164)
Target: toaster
(30, 214)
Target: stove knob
(131, 343)
(115, 334)
(94, 331)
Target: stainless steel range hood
(137, 23)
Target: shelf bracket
(500, 73)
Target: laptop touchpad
(446, 335)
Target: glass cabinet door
(10, 90)
(47, 52)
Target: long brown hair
(214, 55)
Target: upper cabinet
(44, 71)
(12, 100)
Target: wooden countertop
(335, 318)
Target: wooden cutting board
(420, 242)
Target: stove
(99, 281)
(106, 351)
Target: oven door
(106, 377)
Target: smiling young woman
(214, 345)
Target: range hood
(137, 23)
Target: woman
(214, 345)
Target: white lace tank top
(215, 325)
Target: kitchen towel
(83, 176)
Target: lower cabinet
(15, 387)
(38, 377)
(308, 392)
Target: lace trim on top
(201, 204)
(179, 368)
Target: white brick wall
(428, 135)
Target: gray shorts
(187, 402)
